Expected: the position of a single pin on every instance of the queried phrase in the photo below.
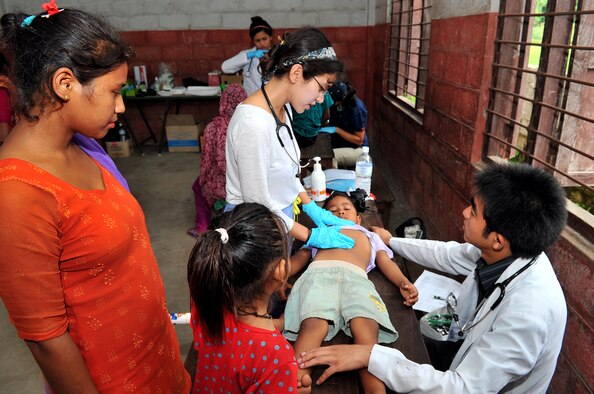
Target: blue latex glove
(329, 237)
(328, 129)
(323, 217)
(258, 53)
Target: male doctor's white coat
(514, 349)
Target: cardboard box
(118, 148)
(182, 133)
(228, 79)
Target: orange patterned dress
(80, 261)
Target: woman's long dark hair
(82, 42)
(226, 276)
(296, 44)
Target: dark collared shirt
(488, 274)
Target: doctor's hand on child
(322, 216)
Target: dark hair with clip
(357, 197)
(299, 43)
(82, 42)
(525, 204)
(227, 276)
(258, 24)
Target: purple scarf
(93, 149)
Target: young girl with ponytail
(233, 270)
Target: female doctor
(263, 158)
(249, 60)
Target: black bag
(412, 228)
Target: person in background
(5, 106)
(249, 60)
(263, 158)
(233, 270)
(209, 186)
(335, 294)
(348, 119)
(307, 124)
(509, 316)
(78, 275)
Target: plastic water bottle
(363, 170)
(122, 132)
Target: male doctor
(510, 314)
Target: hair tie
(281, 41)
(224, 235)
(27, 21)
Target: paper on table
(432, 285)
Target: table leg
(148, 125)
(132, 134)
(163, 127)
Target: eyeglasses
(322, 90)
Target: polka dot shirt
(247, 359)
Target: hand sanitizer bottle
(318, 181)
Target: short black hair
(357, 197)
(523, 203)
(85, 43)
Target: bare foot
(304, 383)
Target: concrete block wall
(433, 160)
(206, 14)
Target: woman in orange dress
(77, 275)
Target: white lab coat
(252, 77)
(513, 350)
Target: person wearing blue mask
(248, 60)
(347, 122)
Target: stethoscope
(279, 126)
(501, 286)
(248, 73)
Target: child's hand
(409, 293)
(282, 292)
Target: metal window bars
(540, 104)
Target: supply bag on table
(436, 324)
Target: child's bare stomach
(359, 255)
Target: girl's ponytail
(209, 279)
(231, 266)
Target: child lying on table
(335, 294)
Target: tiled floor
(162, 184)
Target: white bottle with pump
(318, 181)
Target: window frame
(408, 77)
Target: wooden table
(139, 103)
(404, 319)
